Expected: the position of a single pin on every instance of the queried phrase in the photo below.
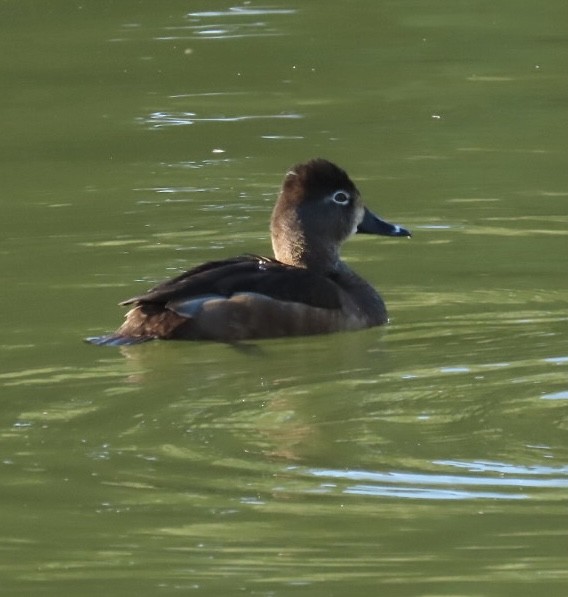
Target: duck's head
(318, 208)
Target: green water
(428, 458)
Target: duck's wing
(246, 274)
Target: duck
(305, 289)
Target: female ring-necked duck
(306, 289)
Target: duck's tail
(117, 340)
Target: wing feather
(248, 273)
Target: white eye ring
(340, 197)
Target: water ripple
(158, 120)
(243, 11)
(232, 23)
(445, 486)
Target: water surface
(425, 458)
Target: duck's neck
(294, 249)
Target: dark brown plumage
(306, 289)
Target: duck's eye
(340, 197)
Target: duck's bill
(372, 224)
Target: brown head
(318, 208)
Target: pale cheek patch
(358, 219)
